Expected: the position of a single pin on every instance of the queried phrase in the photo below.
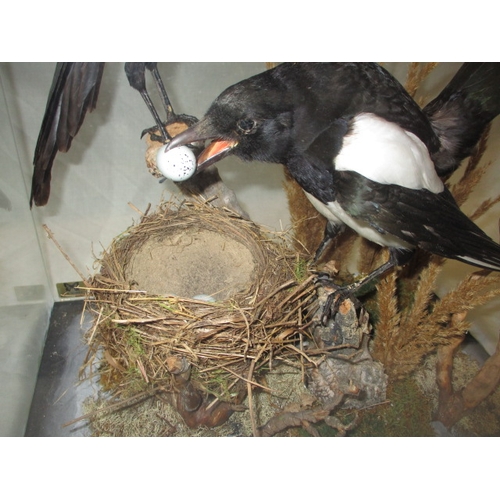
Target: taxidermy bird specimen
(366, 155)
(74, 92)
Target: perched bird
(74, 92)
(366, 155)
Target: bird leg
(397, 257)
(136, 77)
(149, 104)
(161, 89)
(332, 230)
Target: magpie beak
(217, 149)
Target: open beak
(202, 131)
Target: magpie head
(253, 119)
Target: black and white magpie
(366, 155)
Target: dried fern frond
(474, 290)
(473, 173)
(484, 207)
(389, 319)
(463, 189)
(422, 298)
(404, 338)
(417, 73)
(308, 223)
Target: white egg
(178, 164)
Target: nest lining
(192, 262)
(143, 335)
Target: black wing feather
(460, 113)
(74, 91)
(427, 220)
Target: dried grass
(308, 223)
(417, 73)
(405, 336)
(473, 173)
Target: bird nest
(196, 301)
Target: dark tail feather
(461, 112)
(74, 91)
(488, 256)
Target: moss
(301, 270)
(133, 339)
(408, 413)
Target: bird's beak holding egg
(203, 131)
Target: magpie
(74, 92)
(365, 154)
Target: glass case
(101, 184)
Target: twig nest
(198, 284)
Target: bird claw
(331, 306)
(154, 136)
(325, 280)
(332, 299)
(336, 295)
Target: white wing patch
(384, 152)
(334, 212)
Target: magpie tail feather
(480, 263)
(461, 112)
(480, 251)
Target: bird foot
(154, 135)
(336, 295)
(175, 125)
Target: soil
(192, 262)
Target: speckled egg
(177, 164)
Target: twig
(66, 256)
(133, 207)
(247, 380)
(249, 390)
(138, 398)
(113, 290)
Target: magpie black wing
(461, 112)
(421, 218)
(74, 91)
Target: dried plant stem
(423, 295)
(249, 392)
(121, 405)
(389, 318)
(66, 256)
(417, 73)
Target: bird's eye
(246, 125)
